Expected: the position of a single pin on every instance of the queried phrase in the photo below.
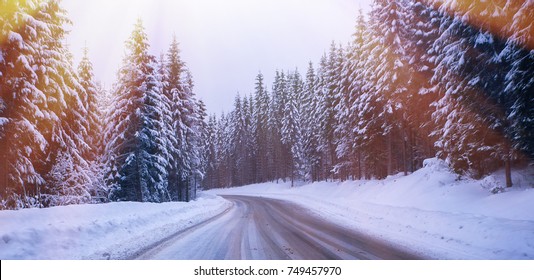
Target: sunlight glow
(14, 20)
(225, 43)
(498, 17)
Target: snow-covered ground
(98, 231)
(430, 212)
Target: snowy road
(263, 228)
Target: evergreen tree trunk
(3, 169)
(404, 157)
(39, 197)
(187, 193)
(359, 165)
(390, 154)
(413, 145)
(507, 166)
(508, 171)
(138, 188)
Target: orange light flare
(473, 102)
(7, 10)
(506, 19)
(12, 16)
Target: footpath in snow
(98, 231)
(429, 212)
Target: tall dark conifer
(262, 134)
(137, 166)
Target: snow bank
(430, 212)
(99, 231)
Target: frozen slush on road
(269, 229)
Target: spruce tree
(22, 106)
(262, 134)
(312, 130)
(41, 113)
(93, 152)
(136, 165)
(279, 149)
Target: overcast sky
(225, 43)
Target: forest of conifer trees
(451, 79)
(65, 140)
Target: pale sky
(225, 43)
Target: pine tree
(311, 129)
(279, 150)
(368, 105)
(422, 26)
(137, 168)
(193, 120)
(330, 100)
(464, 111)
(320, 117)
(66, 129)
(388, 22)
(201, 146)
(238, 152)
(93, 152)
(212, 154)
(41, 113)
(22, 105)
(226, 179)
(173, 89)
(518, 90)
(292, 128)
(262, 134)
(248, 141)
(478, 95)
(347, 113)
(342, 132)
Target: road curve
(263, 228)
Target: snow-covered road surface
(263, 228)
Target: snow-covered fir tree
(330, 99)
(22, 105)
(349, 164)
(279, 150)
(311, 129)
(293, 128)
(261, 130)
(137, 167)
(42, 114)
(182, 119)
(193, 120)
(93, 152)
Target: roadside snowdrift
(98, 231)
(429, 212)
